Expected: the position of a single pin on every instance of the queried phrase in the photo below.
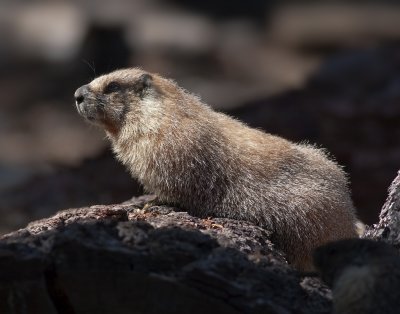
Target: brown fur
(212, 165)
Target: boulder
(132, 258)
(125, 259)
(388, 227)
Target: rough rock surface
(388, 228)
(124, 259)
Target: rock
(388, 227)
(123, 259)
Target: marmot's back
(295, 190)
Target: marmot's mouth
(84, 111)
(78, 108)
(90, 118)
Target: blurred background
(325, 72)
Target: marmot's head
(111, 99)
(332, 258)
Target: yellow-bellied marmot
(364, 276)
(212, 165)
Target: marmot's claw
(152, 203)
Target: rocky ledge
(388, 227)
(125, 259)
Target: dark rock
(123, 259)
(388, 227)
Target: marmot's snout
(83, 105)
(80, 94)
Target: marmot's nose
(81, 93)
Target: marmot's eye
(112, 87)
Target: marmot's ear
(144, 82)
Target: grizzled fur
(364, 276)
(212, 165)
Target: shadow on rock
(120, 258)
